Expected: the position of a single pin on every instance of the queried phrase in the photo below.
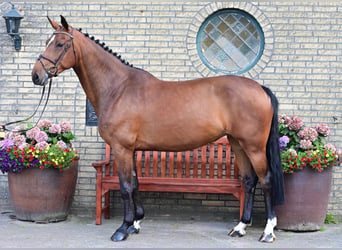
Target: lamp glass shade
(12, 19)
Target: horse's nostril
(35, 78)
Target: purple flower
(7, 143)
(283, 141)
(9, 165)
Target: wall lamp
(12, 19)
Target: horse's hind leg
(260, 165)
(249, 180)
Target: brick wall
(301, 64)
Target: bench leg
(107, 205)
(98, 216)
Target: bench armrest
(100, 163)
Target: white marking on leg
(240, 228)
(271, 223)
(136, 224)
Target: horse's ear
(64, 23)
(53, 23)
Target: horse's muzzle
(39, 80)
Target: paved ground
(182, 230)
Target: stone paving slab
(159, 230)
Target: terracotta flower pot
(43, 195)
(306, 200)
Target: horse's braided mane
(106, 48)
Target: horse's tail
(273, 154)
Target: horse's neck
(100, 73)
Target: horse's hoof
(119, 236)
(133, 230)
(235, 234)
(267, 238)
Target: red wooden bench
(207, 169)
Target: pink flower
(65, 126)
(22, 146)
(19, 140)
(42, 145)
(305, 144)
(13, 134)
(323, 129)
(31, 134)
(330, 147)
(41, 136)
(308, 134)
(44, 124)
(292, 151)
(284, 119)
(62, 144)
(55, 129)
(295, 123)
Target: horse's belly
(178, 137)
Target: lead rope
(3, 126)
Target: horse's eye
(60, 45)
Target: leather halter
(53, 70)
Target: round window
(230, 41)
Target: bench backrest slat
(195, 163)
(209, 161)
(155, 163)
(179, 164)
(171, 163)
(147, 163)
(187, 164)
(163, 164)
(203, 162)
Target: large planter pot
(43, 195)
(306, 200)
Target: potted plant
(307, 162)
(42, 167)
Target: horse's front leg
(138, 207)
(246, 220)
(129, 189)
(250, 180)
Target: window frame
(230, 11)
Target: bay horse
(137, 111)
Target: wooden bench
(207, 169)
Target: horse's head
(58, 56)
